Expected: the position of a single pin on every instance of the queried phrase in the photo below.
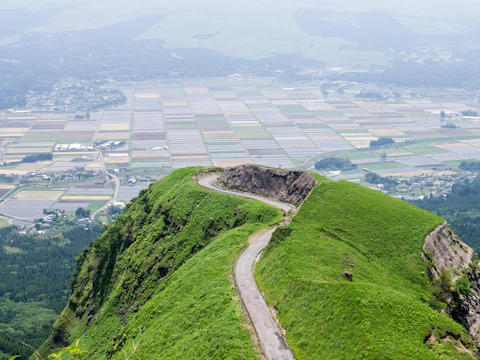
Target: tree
(80, 212)
(381, 142)
(332, 163)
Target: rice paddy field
(170, 124)
(224, 122)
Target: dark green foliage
(81, 212)
(473, 166)
(373, 178)
(463, 285)
(333, 163)
(37, 157)
(34, 284)
(382, 142)
(384, 312)
(6, 178)
(442, 287)
(461, 209)
(30, 322)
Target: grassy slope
(168, 258)
(383, 313)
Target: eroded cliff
(288, 186)
(444, 251)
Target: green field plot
(423, 149)
(385, 166)
(358, 155)
(453, 163)
(211, 119)
(253, 133)
(326, 114)
(94, 206)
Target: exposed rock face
(447, 251)
(288, 186)
(444, 250)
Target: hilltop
(353, 274)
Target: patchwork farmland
(171, 124)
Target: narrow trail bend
(269, 334)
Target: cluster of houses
(80, 97)
(418, 187)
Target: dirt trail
(270, 336)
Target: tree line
(35, 283)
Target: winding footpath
(267, 329)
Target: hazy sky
(243, 28)
(458, 9)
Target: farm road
(116, 181)
(269, 334)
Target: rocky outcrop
(443, 250)
(287, 186)
(446, 251)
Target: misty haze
(269, 179)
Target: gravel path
(269, 334)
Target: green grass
(165, 266)
(454, 163)
(385, 166)
(383, 313)
(94, 206)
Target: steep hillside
(387, 310)
(161, 275)
(356, 274)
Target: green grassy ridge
(164, 267)
(384, 312)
